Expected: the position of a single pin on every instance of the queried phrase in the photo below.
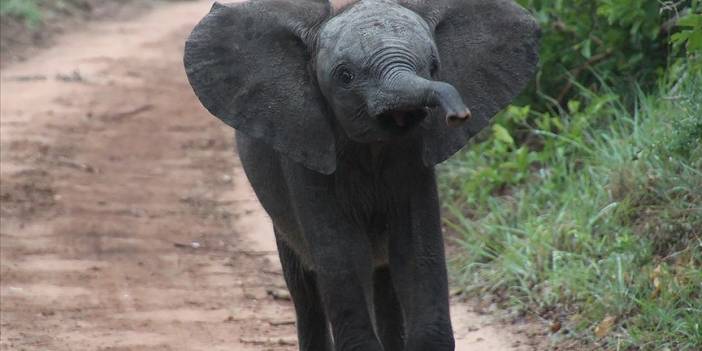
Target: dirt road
(127, 223)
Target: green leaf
(586, 49)
(502, 134)
(681, 37)
(690, 21)
(573, 106)
(694, 42)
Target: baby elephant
(341, 115)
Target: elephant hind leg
(312, 326)
(388, 313)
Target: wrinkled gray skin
(390, 53)
(340, 120)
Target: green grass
(596, 214)
(26, 10)
(35, 12)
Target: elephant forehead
(370, 25)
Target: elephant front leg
(341, 258)
(418, 268)
(346, 306)
(344, 278)
(388, 313)
(312, 330)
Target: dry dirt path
(127, 223)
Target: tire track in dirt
(127, 223)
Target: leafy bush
(625, 41)
(690, 36)
(595, 221)
(584, 205)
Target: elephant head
(296, 74)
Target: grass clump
(593, 219)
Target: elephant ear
(488, 50)
(248, 64)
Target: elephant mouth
(401, 120)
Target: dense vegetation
(583, 205)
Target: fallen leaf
(605, 326)
(656, 276)
(555, 326)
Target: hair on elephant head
(302, 74)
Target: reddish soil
(127, 223)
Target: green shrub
(690, 36)
(625, 41)
(596, 217)
(585, 205)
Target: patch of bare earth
(127, 223)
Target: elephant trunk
(408, 91)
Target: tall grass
(594, 220)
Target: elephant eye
(345, 76)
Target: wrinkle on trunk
(409, 91)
